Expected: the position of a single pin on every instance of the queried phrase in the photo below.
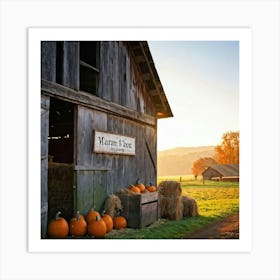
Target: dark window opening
(89, 66)
(61, 131)
(59, 61)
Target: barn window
(89, 66)
(61, 131)
(59, 62)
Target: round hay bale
(170, 188)
(190, 208)
(112, 203)
(170, 203)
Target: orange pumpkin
(78, 225)
(134, 189)
(97, 228)
(108, 221)
(91, 215)
(151, 188)
(140, 186)
(119, 221)
(58, 227)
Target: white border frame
(243, 35)
(262, 16)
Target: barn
(229, 172)
(100, 103)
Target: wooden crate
(140, 210)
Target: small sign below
(109, 143)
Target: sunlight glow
(201, 82)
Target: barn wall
(210, 173)
(120, 81)
(70, 65)
(119, 78)
(48, 61)
(101, 174)
(45, 103)
(97, 175)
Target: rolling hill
(178, 161)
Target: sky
(201, 82)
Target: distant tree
(201, 164)
(228, 151)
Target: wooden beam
(146, 76)
(94, 102)
(139, 58)
(153, 77)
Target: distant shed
(226, 172)
(100, 102)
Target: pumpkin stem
(57, 215)
(138, 181)
(78, 215)
(92, 208)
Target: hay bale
(112, 203)
(60, 189)
(170, 203)
(190, 208)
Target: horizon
(187, 147)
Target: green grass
(215, 200)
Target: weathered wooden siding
(119, 79)
(45, 103)
(209, 173)
(123, 106)
(48, 61)
(91, 169)
(70, 65)
(103, 174)
(91, 190)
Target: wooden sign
(109, 143)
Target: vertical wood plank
(115, 73)
(48, 60)
(100, 192)
(88, 121)
(84, 191)
(71, 62)
(45, 104)
(91, 190)
(91, 184)
(150, 154)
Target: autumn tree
(228, 151)
(201, 164)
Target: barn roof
(144, 61)
(226, 170)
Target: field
(216, 200)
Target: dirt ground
(228, 228)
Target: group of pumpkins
(93, 224)
(141, 188)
